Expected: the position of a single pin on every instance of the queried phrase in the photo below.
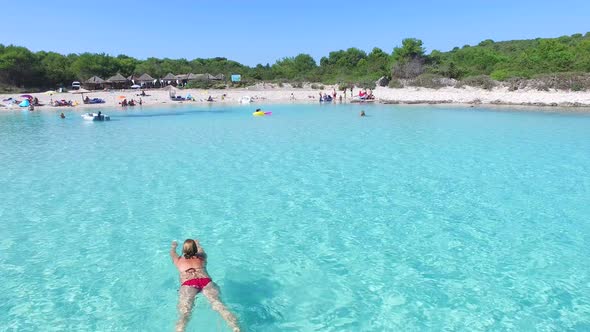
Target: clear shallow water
(314, 219)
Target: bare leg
(186, 299)
(212, 293)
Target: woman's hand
(174, 244)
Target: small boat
(95, 117)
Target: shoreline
(268, 94)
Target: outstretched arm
(173, 253)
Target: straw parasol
(118, 78)
(80, 91)
(94, 80)
(145, 78)
(169, 77)
(133, 78)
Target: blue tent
(24, 103)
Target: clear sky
(262, 31)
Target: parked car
(75, 85)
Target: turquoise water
(314, 219)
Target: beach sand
(271, 93)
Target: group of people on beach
(364, 95)
(131, 102)
(325, 97)
(62, 102)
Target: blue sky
(260, 31)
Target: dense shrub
(431, 81)
(561, 81)
(516, 83)
(243, 83)
(367, 84)
(382, 81)
(22, 69)
(481, 81)
(198, 85)
(501, 75)
(297, 85)
(317, 86)
(395, 84)
(343, 86)
(408, 68)
(205, 85)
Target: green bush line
(507, 62)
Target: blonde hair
(190, 249)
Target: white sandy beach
(270, 93)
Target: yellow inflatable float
(259, 112)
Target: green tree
(408, 59)
(18, 66)
(55, 68)
(411, 49)
(304, 64)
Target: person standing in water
(194, 279)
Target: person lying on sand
(194, 279)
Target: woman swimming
(193, 280)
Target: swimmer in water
(363, 113)
(62, 116)
(194, 279)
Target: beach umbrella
(51, 93)
(81, 92)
